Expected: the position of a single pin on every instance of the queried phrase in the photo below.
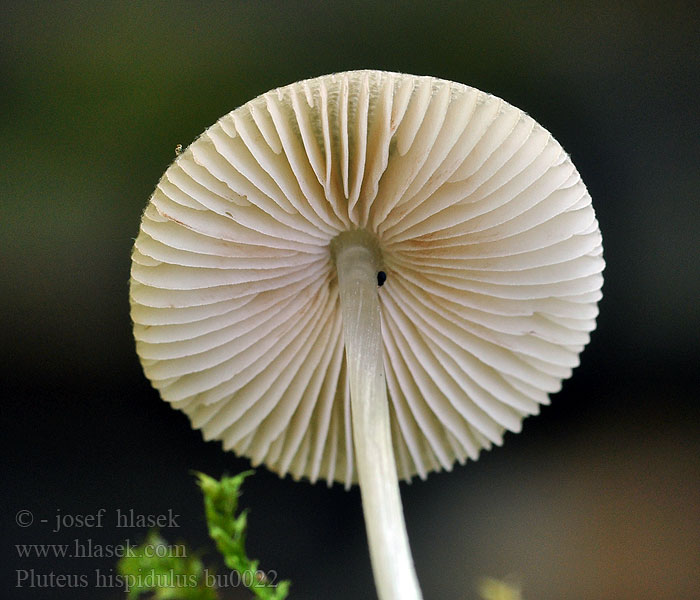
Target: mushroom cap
(490, 246)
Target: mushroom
(257, 297)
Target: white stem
(357, 260)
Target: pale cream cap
(490, 244)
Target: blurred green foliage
(152, 568)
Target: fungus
(363, 277)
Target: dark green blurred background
(597, 499)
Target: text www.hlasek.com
(88, 549)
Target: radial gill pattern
(490, 244)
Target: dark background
(598, 498)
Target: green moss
(170, 573)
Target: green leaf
(165, 571)
(228, 530)
(497, 589)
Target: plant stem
(357, 260)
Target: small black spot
(381, 278)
